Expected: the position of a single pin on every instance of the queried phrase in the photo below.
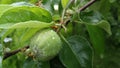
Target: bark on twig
(8, 54)
(87, 5)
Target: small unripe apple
(45, 45)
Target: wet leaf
(76, 53)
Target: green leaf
(96, 34)
(4, 8)
(10, 62)
(28, 34)
(29, 63)
(22, 4)
(13, 1)
(104, 4)
(4, 33)
(16, 42)
(97, 38)
(91, 17)
(55, 63)
(15, 61)
(76, 53)
(105, 26)
(64, 3)
(24, 30)
(112, 1)
(44, 65)
(17, 14)
(27, 24)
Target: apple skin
(45, 45)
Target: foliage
(90, 38)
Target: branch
(62, 22)
(8, 54)
(87, 5)
(64, 10)
(62, 26)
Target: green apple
(45, 45)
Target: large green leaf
(4, 8)
(76, 53)
(13, 1)
(28, 34)
(44, 64)
(10, 62)
(96, 27)
(27, 24)
(20, 14)
(22, 4)
(24, 31)
(97, 38)
(112, 1)
(105, 26)
(55, 63)
(15, 61)
(24, 13)
(30, 63)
